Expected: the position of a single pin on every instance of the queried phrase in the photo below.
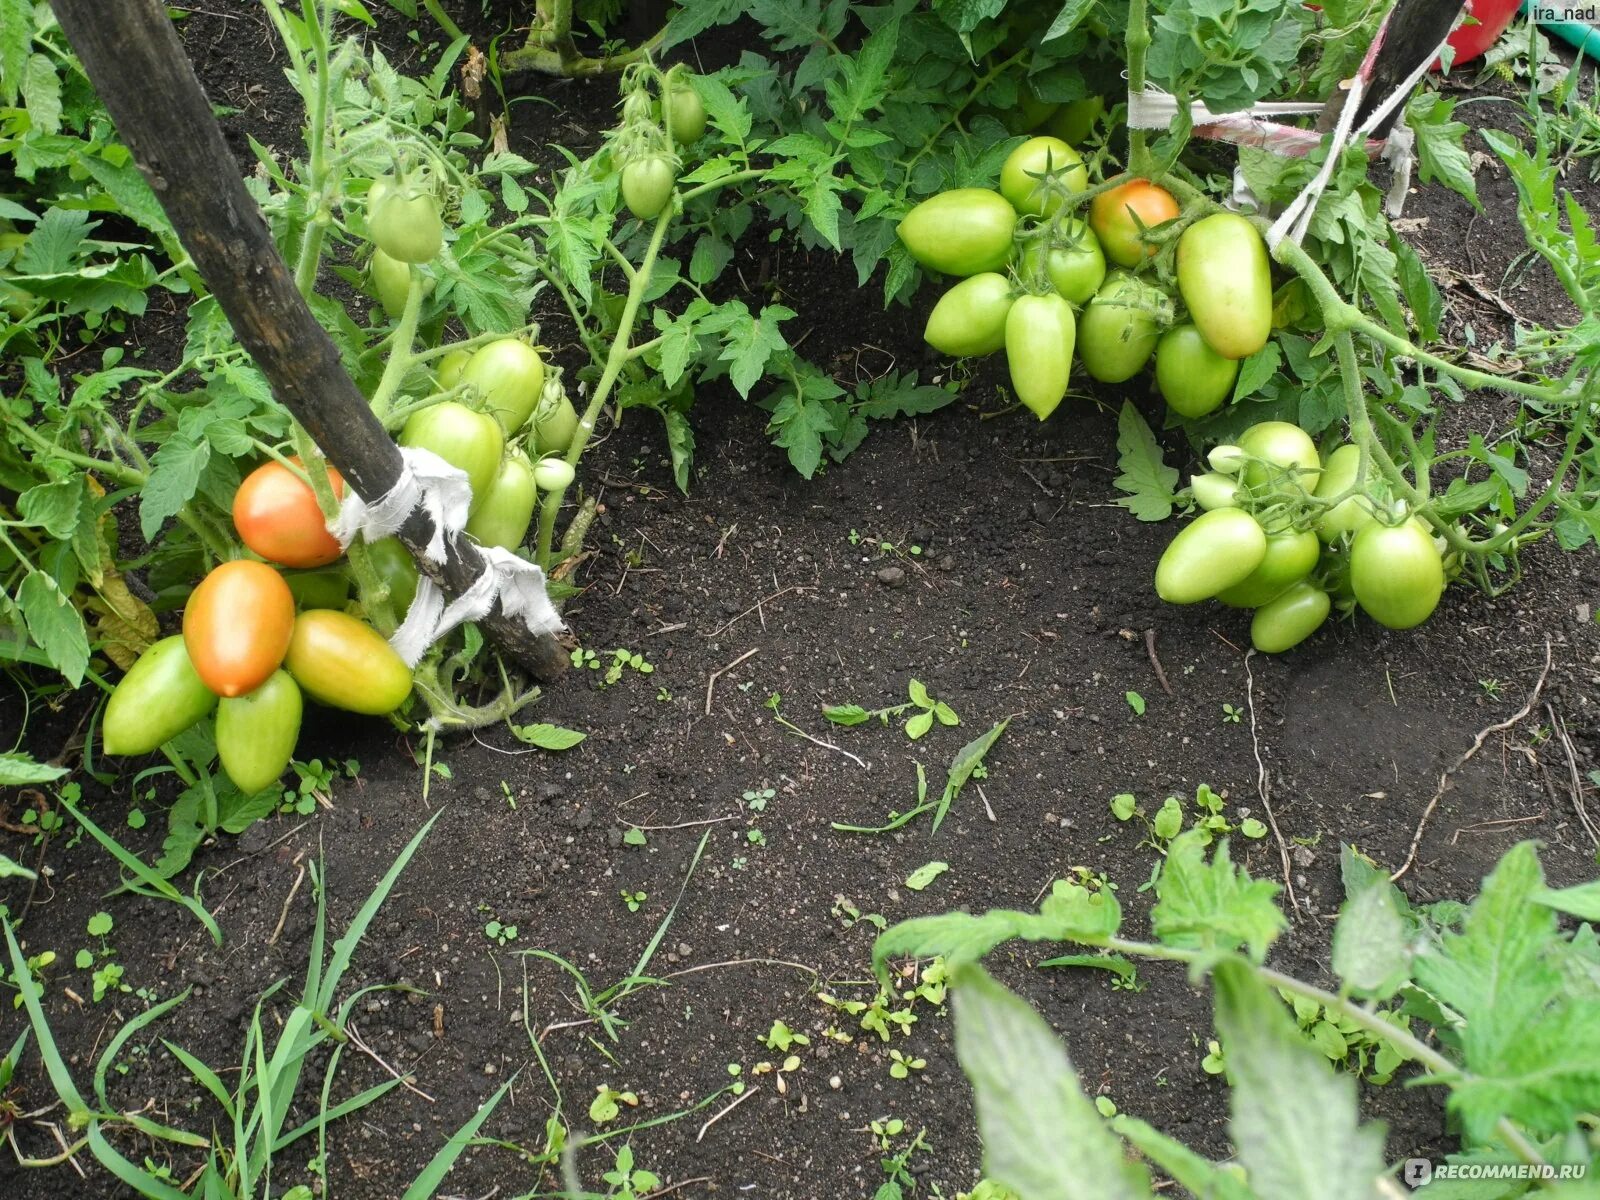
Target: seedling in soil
(1213, 1063)
(546, 737)
(662, 695)
(781, 1038)
(848, 915)
(901, 1065)
(626, 1182)
(788, 1066)
(926, 874)
(315, 785)
(634, 836)
(497, 931)
(919, 723)
(1135, 702)
(1231, 714)
(606, 1105)
(738, 1085)
(755, 837)
(634, 900)
(757, 801)
(1341, 1040)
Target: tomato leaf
(1295, 1120)
(1257, 370)
(19, 770)
(846, 714)
(1212, 906)
(1041, 1135)
(54, 625)
(1150, 484)
(1440, 153)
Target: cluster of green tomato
(519, 410)
(1293, 536)
(1036, 282)
(643, 147)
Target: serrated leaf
(1440, 153)
(1371, 953)
(41, 93)
(55, 626)
(1257, 371)
(749, 344)
(1214, 906)
(1042, 1137)
(1150, 484)
(1296, 1123)
(175, 471)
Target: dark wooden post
(138, 66)
(1415, 27)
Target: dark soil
(1030, 598)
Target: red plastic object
(1473, 40)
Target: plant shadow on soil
(1030, 597)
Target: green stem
(1443, 1070)
(1136, 44)
(616, 361)
(400, 358)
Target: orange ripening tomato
(277, 516)
(1111, 216)
(236, 626)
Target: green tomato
(397, 570)
(1285, 450)
(687, 120)
(1350, 515)
(1225, 279)
(1118, 332)
(1075, 265)
(1027, 114)
(1212, 553)
(555, 421)
(1396, 573)
(450, 367)
(1227, 459)
(404, 222)
(1023, 177)
(503, 516)
(1215, 490)
(257, 732)
(1073, 121)
(470, 441)
(970, 319)
(1291, 556)
(647, 185)
(345, 663)
(509, 375)
(1290, 618)
(960, 232)
(1193, 378)
(391, 281)
(553, 474)
(1039, 335)
(159, 697)
(320, 587)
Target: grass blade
(343, 1109)
(152, 883)
(60, 1077)
(427, 1183)
(123, 1034)
(203, 1075)
(142, 1182)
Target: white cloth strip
(517, 584)
(426, 482)
(1155, 109)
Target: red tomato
(276, 514)
(236, 626)
(1112, 217)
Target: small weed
(781, 1038)
(627, 1182)
(634, 900)
(928, 710)
(606, 1105)
(1135, 702)
(758, 801)
(1231, 714)
(901, 1065)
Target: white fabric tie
(443, 492)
